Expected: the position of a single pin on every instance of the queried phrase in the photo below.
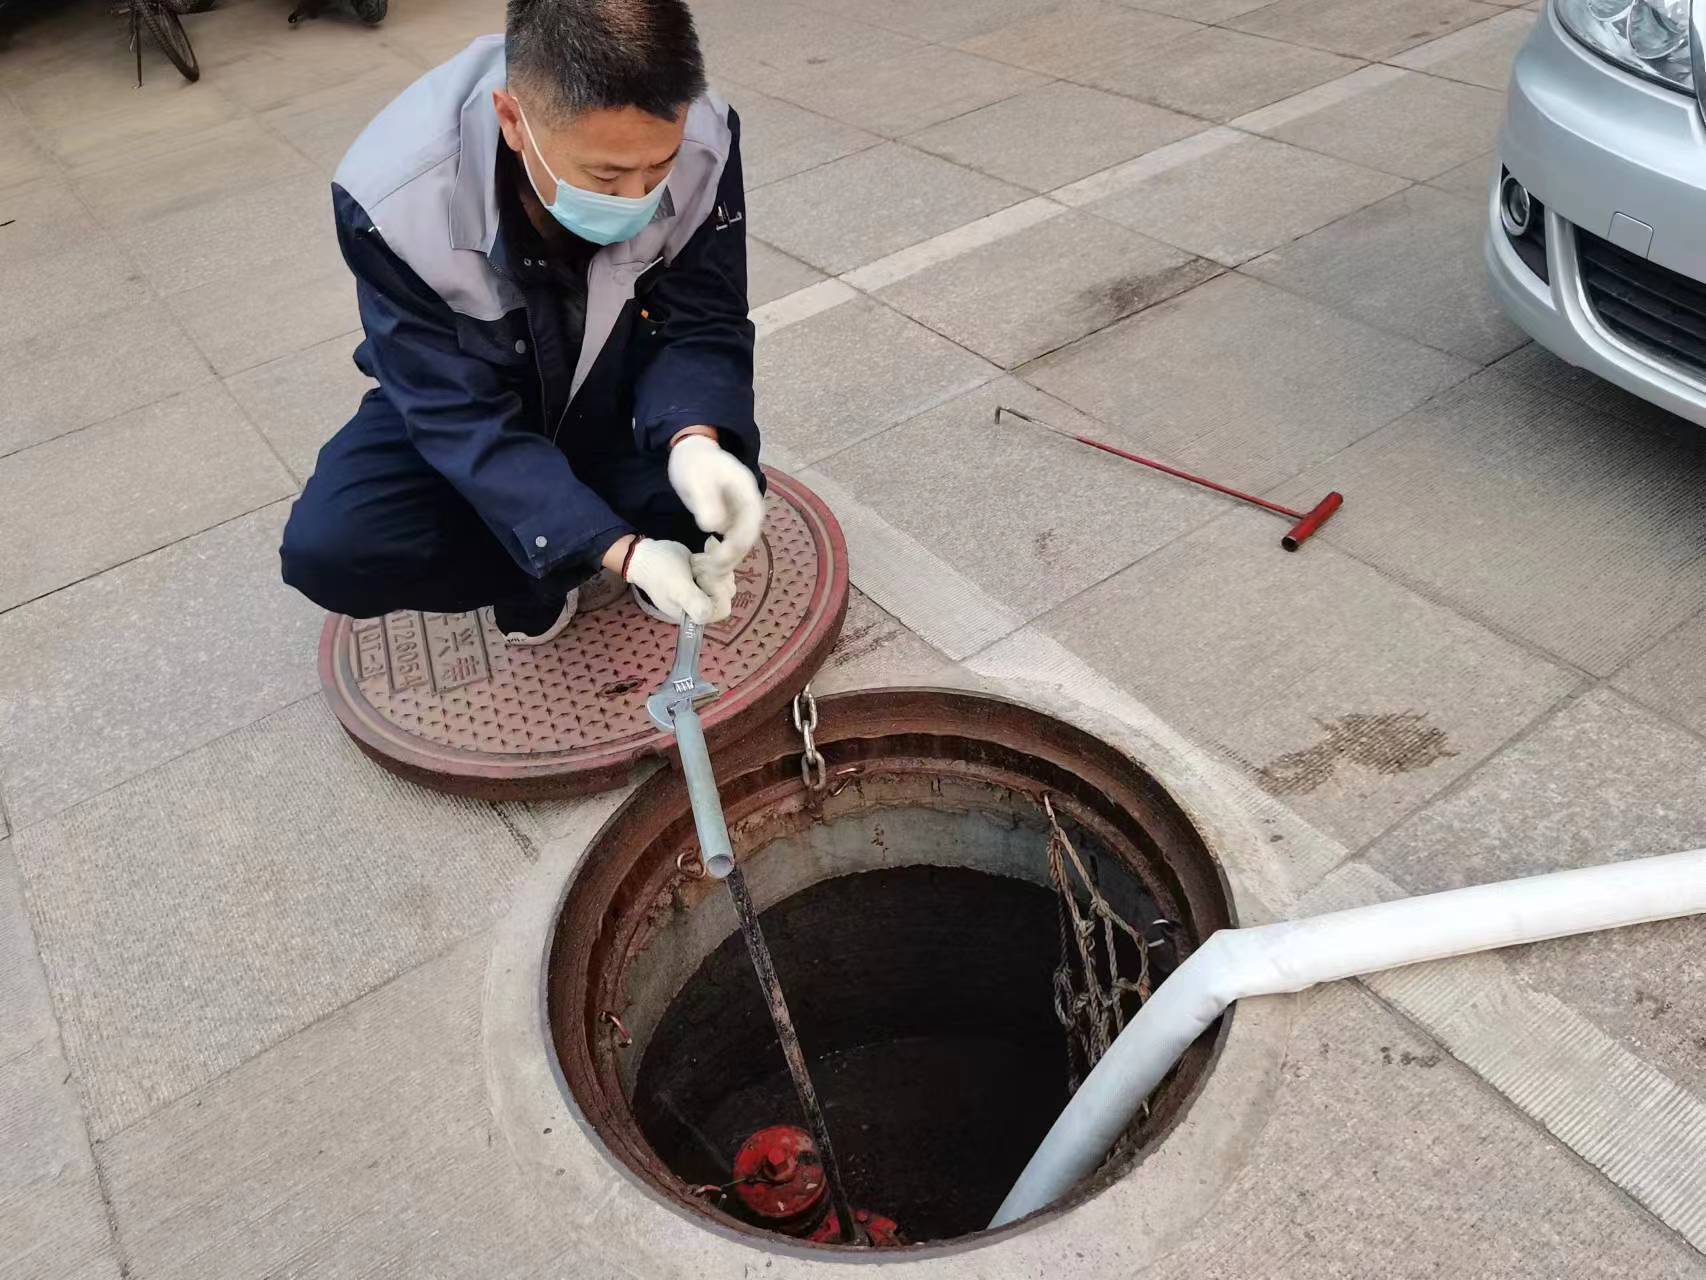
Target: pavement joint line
(1130, 173)
(1640, 1129)
(952, 244)
(802, 304)
(1331, 94)
(143, 555)
(1464, 40)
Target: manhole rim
(563, 773)
(1151, 1206)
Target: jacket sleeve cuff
(550, 550)
(740, 439)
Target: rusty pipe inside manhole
(914, 926)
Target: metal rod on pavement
(673, 708)
(1307, 521)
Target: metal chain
(813, 770)
(1091, 1013)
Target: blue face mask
(592, 215)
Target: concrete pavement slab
(299, 401)
(127, 669)
(257, 313)
(831, 381)
(1550, 521)
(875, 649)
(361, 1142)
(93, 115)
(1473, 178)
(53, 1225)
(1350, 698)
(894, 95)
(778, 139)
(1377, 128)
(227, 159)
(1479, 54)
(322, 124)
(1041, 288)
(1384, 1157)
(141, 355)
(44, 295)
(1031, 519)
(1600, 781)
(1245, 198)
(41, 219)
(1217, 74)
(433, 33)
(1670, 677)
(288, 221)
(1410, 264)
(127, 486)
(26, 1013)
(1210, 11)
(1538, 367)
(942, 21)
(1363, 28)
(859, 208)
(1242, 381)
(1049, 136)
(21, 160)
(772, 274)
(1086, 41)
(197, 914)
(759, 43)
(310, 59)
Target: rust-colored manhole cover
(439, 697)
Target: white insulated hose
(1288, 956)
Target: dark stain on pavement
(1392, 743)
(1408, 1059)
(1655, 1006)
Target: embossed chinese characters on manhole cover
(439, 698)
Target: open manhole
(916, 932)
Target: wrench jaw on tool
(685, 688)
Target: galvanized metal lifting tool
(675, 709)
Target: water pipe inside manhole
(913, 922)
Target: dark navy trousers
(377, 529)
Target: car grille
(1645, 304)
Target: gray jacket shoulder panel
(423, 170)
(404, 171)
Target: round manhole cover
(440, 698)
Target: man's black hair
(588, 55)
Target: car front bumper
(1592, 142)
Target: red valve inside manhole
(779, 1184)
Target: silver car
(1597, 221)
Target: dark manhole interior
(916, 935)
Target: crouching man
(548, 239)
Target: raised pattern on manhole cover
(439, 697)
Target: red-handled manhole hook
(1299, 533)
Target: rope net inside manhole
(1090, 991)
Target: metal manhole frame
(646, 828)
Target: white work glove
(664, 571)
(716, 578)
(722, 495)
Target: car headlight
(1648, 37)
